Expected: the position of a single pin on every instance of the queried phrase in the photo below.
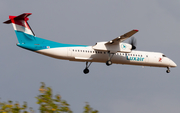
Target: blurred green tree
(47, 103)
(9, 107)
(88, 109)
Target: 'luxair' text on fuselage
(134, 58)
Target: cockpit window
(164, 55)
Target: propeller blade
(132, 41)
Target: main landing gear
(168, 70)
(109, 62)
(86, 70)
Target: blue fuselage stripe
(35, 43)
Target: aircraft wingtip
(136, 30)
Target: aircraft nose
(172, 64)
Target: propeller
(132, 41)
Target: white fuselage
(88, 54)
(113, 51)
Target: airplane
(109, 52)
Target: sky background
(108, 89)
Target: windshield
(164, 55)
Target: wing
(122, 37)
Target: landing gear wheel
(108, 63)
(168, 71)
(86, 71)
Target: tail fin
(23, 30)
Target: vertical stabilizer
(22, 29)
(20, 23)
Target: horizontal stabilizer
(20, 17)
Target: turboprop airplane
(113, 51)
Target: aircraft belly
(99, 58)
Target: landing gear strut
(168, 70)
(109, 62)
(86, 70)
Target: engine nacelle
(125, 47)
(113, 48)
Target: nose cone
(172, 64)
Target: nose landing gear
(168, 70)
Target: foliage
(50, 105)
(13, 108)
(88, 109)
(47, 103)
